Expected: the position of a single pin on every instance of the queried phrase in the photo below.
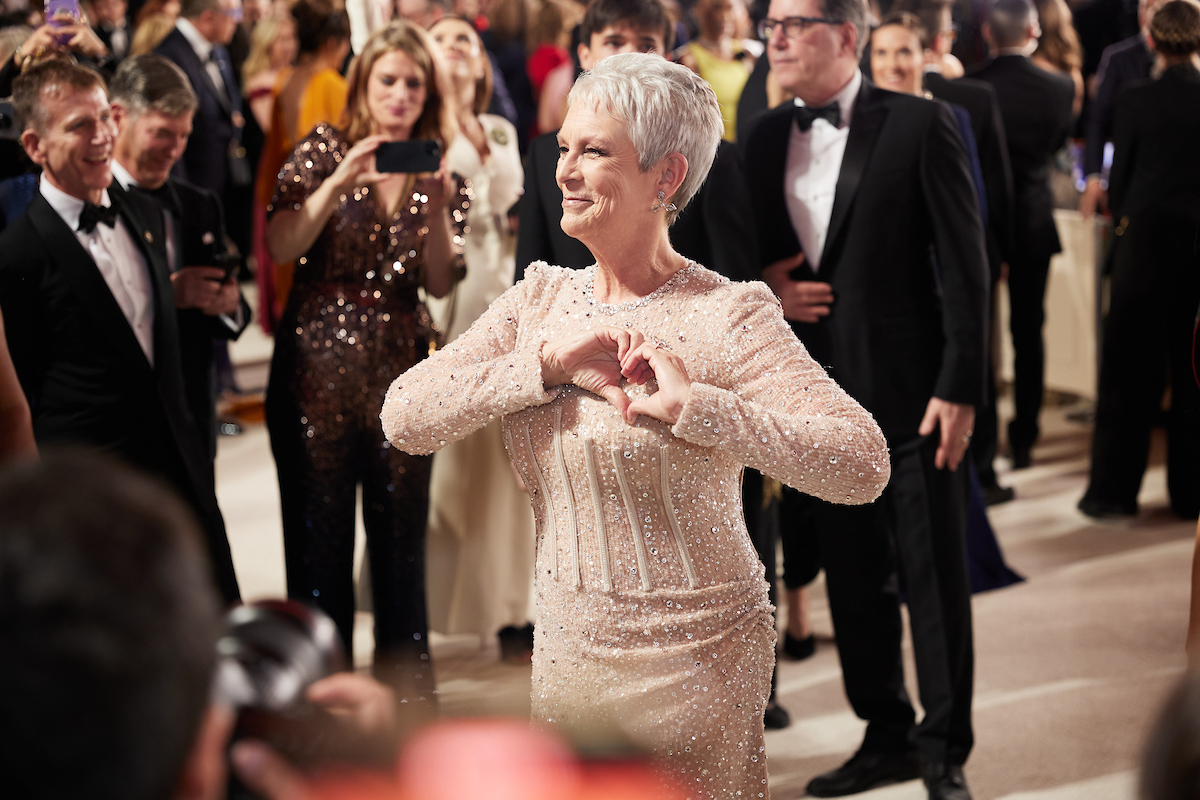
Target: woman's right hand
(357, 167)
(592, 361)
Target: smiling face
(619, 38)
(75, 148)
(815, 65)
(460, 48)
(897, 59)
(149, 145)
(396, 94)
(599, 177)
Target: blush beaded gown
(651, 602)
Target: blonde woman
(273, 48)
(364, 242)
(1058, 48)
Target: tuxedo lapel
(865, 124)
(166, 330)
(79, 270)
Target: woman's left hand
(444, 188)
(674, 386)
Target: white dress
(480, 541)
(652, 610)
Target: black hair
(318, 22)
(642, 15)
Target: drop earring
(662, 203)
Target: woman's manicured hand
(592, 361)
(648, 361)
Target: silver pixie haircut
(667, 109)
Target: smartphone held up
(416, 155)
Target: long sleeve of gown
(780, 413)
(487, 372)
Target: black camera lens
(271, 651)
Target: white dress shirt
(119, 261)
(203, 48)
(814, 160)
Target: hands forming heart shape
(596, 360)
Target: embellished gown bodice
(652, 608)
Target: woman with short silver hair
(633, 393)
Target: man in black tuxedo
(870, 233)
(153, 106)
(1036, 108)
(214, 158)
(88, 307)
(715, 228)
(1121, 64)
(980, 102)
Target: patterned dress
(652, 608)
(352, 322)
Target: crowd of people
(659, 282)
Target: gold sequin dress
(353, 320)
(652, 607)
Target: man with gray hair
(153, 106)
(870, 234)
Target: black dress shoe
(516, 644)
(776, 717)
(946, 782)
(996, 494)
(1106, 510)
(1021, 458)
(864, 771)
(799, 649)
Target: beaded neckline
(612, 308)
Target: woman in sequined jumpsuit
(363, 243)
(633, 393)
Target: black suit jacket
(1036, 109)
(1156, 160)
(979, 101)
(714, 229)
(199, 230)
(87, 379)
(1127, 61)
(904, 253)
(206, 160)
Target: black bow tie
(93, 214)
(806, 115)
(164, 197)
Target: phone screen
(56, 8)
(418, 155)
